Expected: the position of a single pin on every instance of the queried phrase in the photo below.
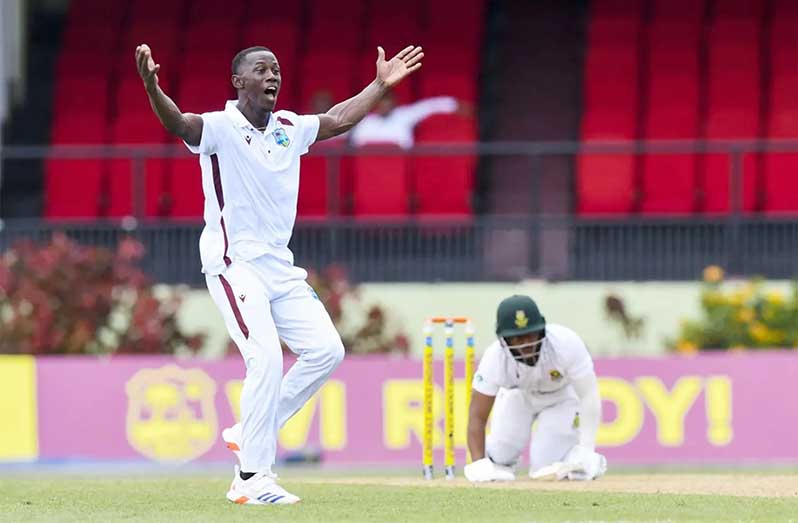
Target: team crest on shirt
(280, 137)
(555, 375)
(521, 320)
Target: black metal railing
(483, 249)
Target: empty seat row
(369, 184)
(666, 95)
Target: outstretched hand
(393, 71)
(148, 69)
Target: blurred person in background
(392, 124)
(250, 158)
(539, 372)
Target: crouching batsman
(541, 373)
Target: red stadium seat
(131, 97)
(162, 37)
(459, 85)
(444, 185)
(281, 38)
(141, 127)
(276, 11)
(781, 183)
(136, 128)
(781, 168)
(616, 8)
(212, 35)
(142, 11)
(605, 184)
(783, 9)
(448, 56)
(336, 26)
(394, 28)
(783, 121)
(603, 93)
(108, 13)
(89, 36)
(380, 184)
(71, 66)
(467, 32)
(717, 180)
(73, 188)
(212, 11)
(733, 106)
(90, 128)
(681, 11)
(120, 184)
(340, 85)
(312, 199)
(211, 65)
(79, 96)
(186, 188)
(749, 10)
(204, 94)
(668, 182)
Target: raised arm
(345, 115)
(187, 126)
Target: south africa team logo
(280, 137)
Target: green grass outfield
(190, 498)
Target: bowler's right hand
(148, 69)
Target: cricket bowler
(249, 158)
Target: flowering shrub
(65, 298)
(366, 330)
(740, 316)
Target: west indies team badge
(280, 137)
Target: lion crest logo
(171, 415)
(521, 320)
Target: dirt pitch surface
(751, 485)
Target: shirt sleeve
(307, 131)
(414, 113)
(577, 362)
(208, 141)
(486, 379)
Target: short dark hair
(241, 55)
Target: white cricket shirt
(563, 358)
(250, 180)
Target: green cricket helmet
(518, 316)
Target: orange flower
(713, 274)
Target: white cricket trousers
(262, 301)
(511, 425)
